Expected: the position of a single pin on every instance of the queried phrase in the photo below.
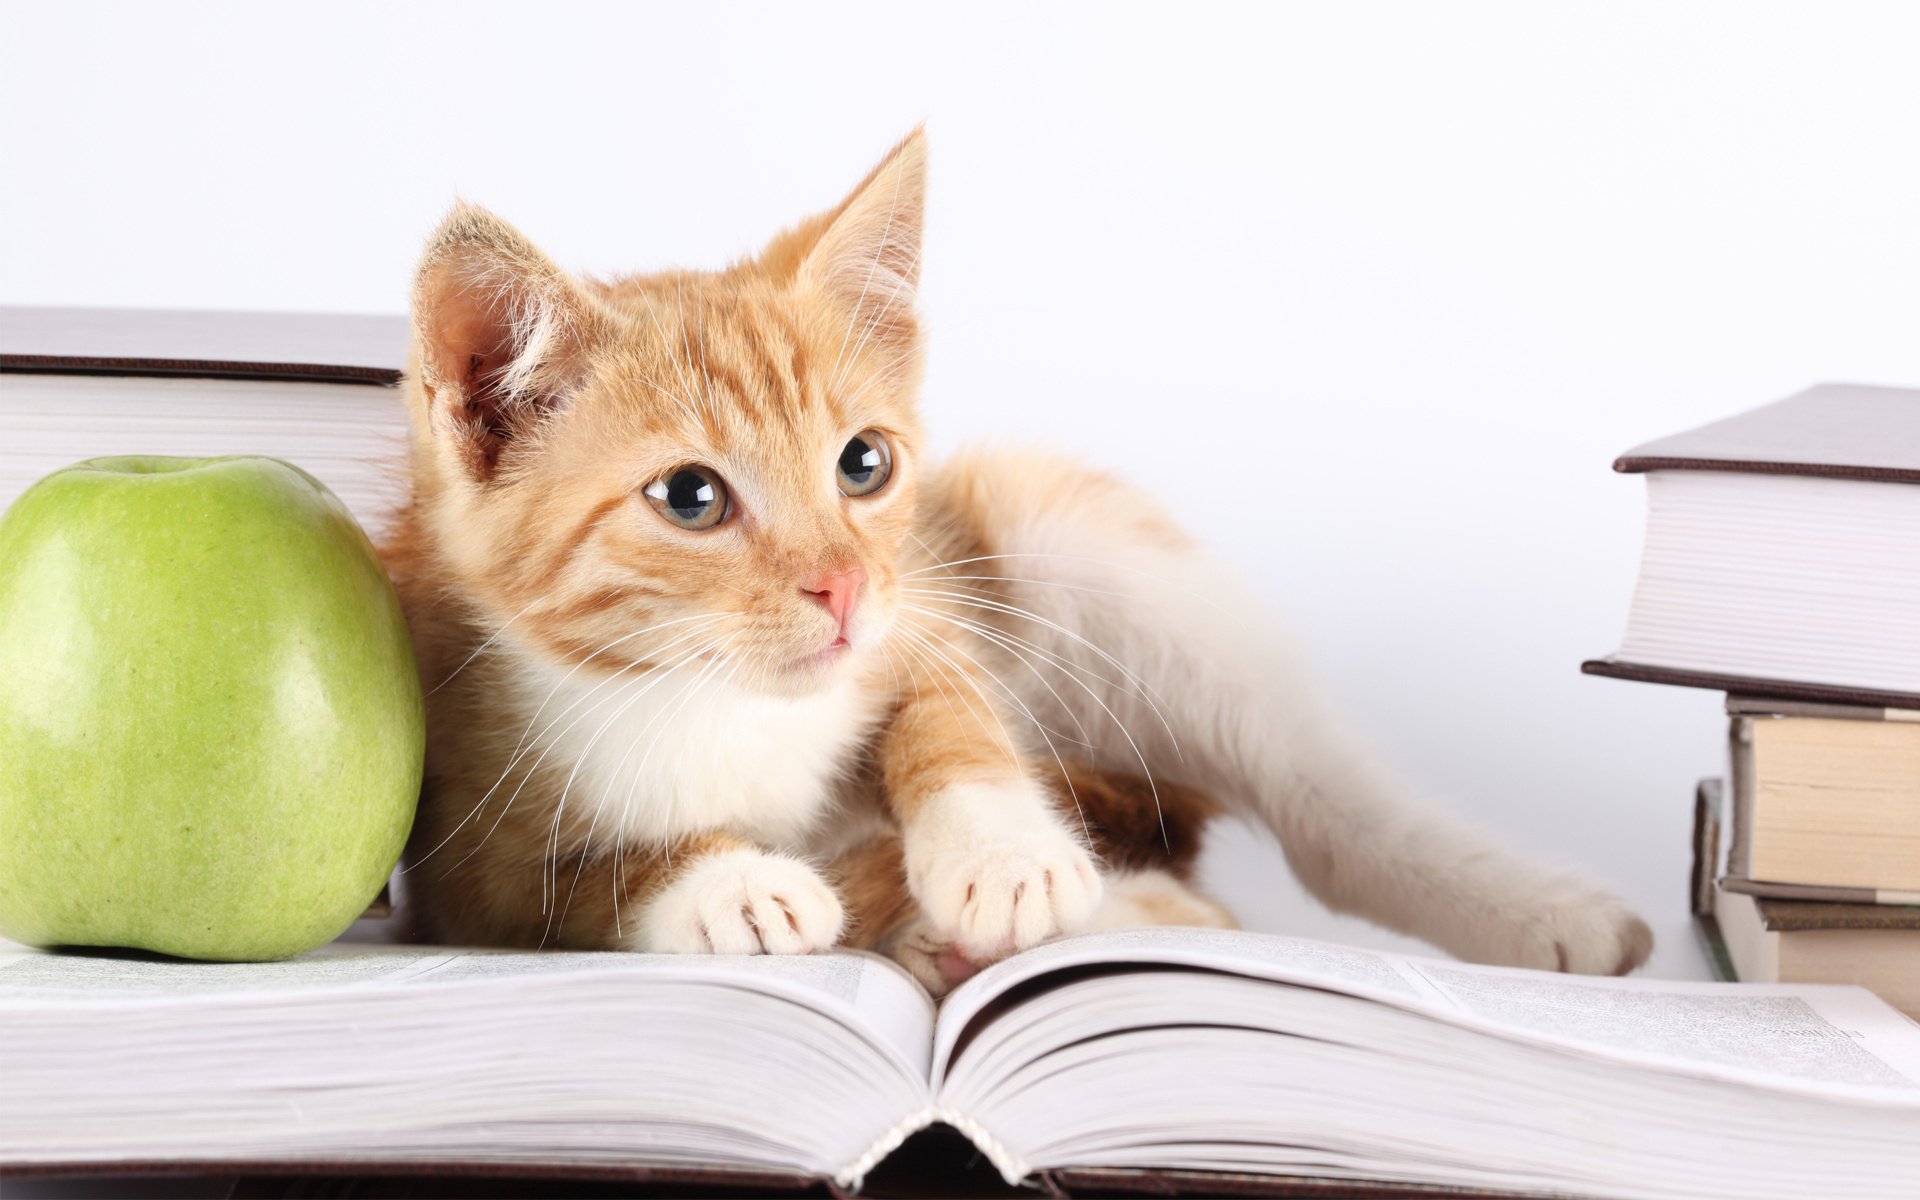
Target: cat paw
(995, 872)
(1567, 925)
(930, 959)
(743, 902)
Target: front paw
(1563, 924)
(742, 902)
(995, 872)
(936, 963)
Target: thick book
(1255, 1056)
(318, 347)
(1825, 802)
(314, 389)
(1782, 552)
(1769, 939)
(1815, 941)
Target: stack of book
(1782, 566)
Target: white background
(1370, 294)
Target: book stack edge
(1782, 566)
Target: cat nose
(836, 591)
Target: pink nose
(836, 592)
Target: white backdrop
(1371, 294)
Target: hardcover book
(1782, 552)
(1825, 802)
(1768, 939)
(314, 389)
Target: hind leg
(1135, 899)
(1154, 652)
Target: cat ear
(867, 259)
(502, 332)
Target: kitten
(720, 662)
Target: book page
(1811, 1034)
(1344, 968)
(1816, 1038)
(868, 992)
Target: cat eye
(690, 497)
(865, 464)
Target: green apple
(211, 731)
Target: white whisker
(1037, 723)
(531, 771)
(468, 661)
(1142, 688)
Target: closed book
(1825, 802)
(1782, 552)
(1767, 939)
(1813, 941)
(314, 389)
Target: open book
(1161, 1049)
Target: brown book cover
(1795, 916)
(1835, 430)
(1840, 431)
(325, 347)
(1784, 690)
(1778, 706)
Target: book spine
(854, 1173)
(1011, 1166)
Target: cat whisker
(673, 396)
(980, 558)
(626, 808)
(901, 285)
(879, 249)
(1037, 723)
(687, 692)
(575, 669)
(1052, 657)
(549, 881)
(1198, 597)
(926, 642)
(507, 771)
(1139, 685)
(667, 344)
(978, 627)
(680, 305)
(639, 683)
(1138, 754)
(932, 668)
(482, 649)
(961, 581)
(619, 767)
(700, 312)
(880, 376)
(699, 681)
(893, 668)
(520, 747)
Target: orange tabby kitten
(719, 662)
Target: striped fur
(646, 737)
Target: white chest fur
(658, 759)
